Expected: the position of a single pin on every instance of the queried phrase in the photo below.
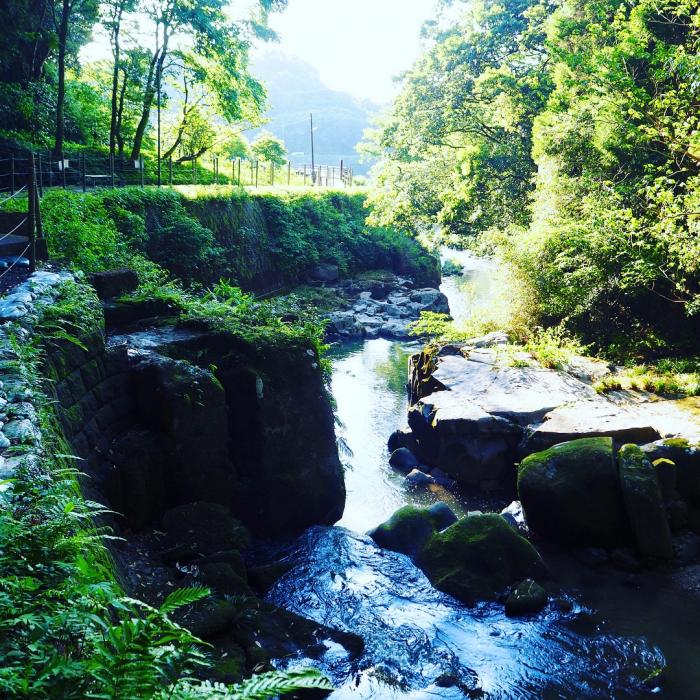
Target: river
(421, 643)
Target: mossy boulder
(409, 528)
(571, 493)
(478, 557)
(527, 597)
(686, 457)
(644, 503)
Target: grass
(673, 377)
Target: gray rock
(418, 478)
(527, 598)
(395, 329)
(515, 517)
(113, 283)
(489, 340)
(443, 516)
(325, 272)
(21, 431)
(12, 312)
(403, 459)
(593, 418)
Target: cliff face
(173, 416)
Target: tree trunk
(61, 94)
(115, 79)
(120, 113)
(154, 70)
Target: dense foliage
(256, 241)
(66, 628)
(191, 59)
(569, 133)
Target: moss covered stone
(644, 503)
(478, 557)
(527, 597)
(571, 493)
(686, 457)
(407, 530)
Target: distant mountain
(294, 91)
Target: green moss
(644, 503)
(571, 493)
(478, 557)
(406, 531)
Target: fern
(269, 685)
(183, 596)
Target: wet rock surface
(367, 308)
(476, 410)
(421, 643)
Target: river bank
(623, 625)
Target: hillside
(294, 91)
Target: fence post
(170, 171)
(272, 174)
(141, 169)
(233, 171)
(216, 170)
(41, 178)
(257, 165)
(63, 169)
(31, 214)
(111, 169)
(82, 173)
(289, 173)
(50, 170)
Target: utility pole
(313, 161)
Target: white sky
(358, 46)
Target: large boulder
(113, 283)
(478, 558)
(325, 272)
(686, 457)
(280, 435)
(571, 493)
(409, 528)
(644, 503)
(187, 405)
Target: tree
(269, 148)
(456, 146)
(222, 45)
(113, 12)
(72, 20)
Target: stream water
(421, 643)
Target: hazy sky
(357, 45)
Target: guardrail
(83, 170)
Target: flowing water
(421, 643)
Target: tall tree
(213, 36)
(113, 13)
(72, 20)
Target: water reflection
(369, 386)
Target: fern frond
(183, 596)
(269, 685)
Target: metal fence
(85, 170)
(21, 233)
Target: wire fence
(21, 233)
(84, 171)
